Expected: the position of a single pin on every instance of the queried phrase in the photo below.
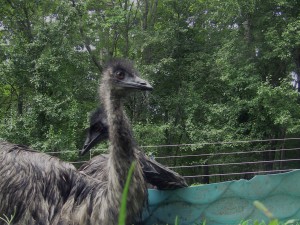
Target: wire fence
(220, 161)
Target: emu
(42, 190)
(155, 173)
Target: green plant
(8, 220)
(176, 221)
(122, 216)
(269, 214)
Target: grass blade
(122, 216)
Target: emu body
(33, 186)
(43, 190)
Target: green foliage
(221, 71)
(44, 78)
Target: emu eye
(120, 75)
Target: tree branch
(87, 42)
(88, 48)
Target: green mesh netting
(227, 202)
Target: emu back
(33, 186)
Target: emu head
(119, 77)
(97, 132)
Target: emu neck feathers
(121, 155)
(120, 135)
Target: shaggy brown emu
(155, 173)
(42, 190)
(34, 186)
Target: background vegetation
(221, 71)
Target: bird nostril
(143, 83)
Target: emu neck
(120, 134)
(121, 156)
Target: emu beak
(92, 140)
(88, 144)
(142, 84)
(135, 83)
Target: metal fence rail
(199, 162)
(230, 164)
(241, 173)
